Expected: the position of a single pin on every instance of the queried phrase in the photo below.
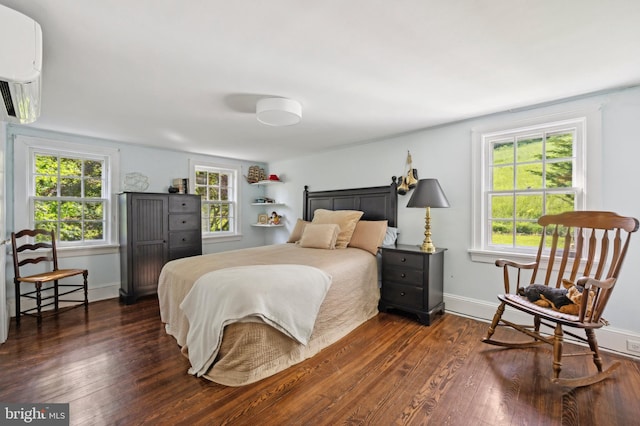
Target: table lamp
(428, 193)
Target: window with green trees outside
(217, 189)
(68, 196)
(530, 173)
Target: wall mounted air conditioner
(20, 67)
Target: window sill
(214, 239)
(79, 251)
(488, 256)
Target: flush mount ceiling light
(278, 111)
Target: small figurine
(275, 219)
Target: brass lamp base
(427, 245)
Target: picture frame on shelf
(263, 219)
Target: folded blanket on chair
(287, 297)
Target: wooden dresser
(412, 281)
(154, 229)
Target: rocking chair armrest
(504, 263)
(597, 306)
(587, 283)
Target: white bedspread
(287, 297)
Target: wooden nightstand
(412, 281)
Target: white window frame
(25, 148)
(235, 171)
(587, 173)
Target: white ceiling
(186, 74)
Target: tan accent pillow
(296, 234)
(322, 236)
(369, 235)
(346, 219)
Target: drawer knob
(403, 260)
(184, 204)
(184, 239)
(184, 221)
(403, 275)
(402, 293)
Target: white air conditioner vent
(20, 67)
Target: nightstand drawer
(403, 276)
(402, 295)
(405, 260)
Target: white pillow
(390, 237)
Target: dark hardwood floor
(115, 365)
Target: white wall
(160, 166)
(445, 153)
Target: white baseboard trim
(610, 338)
(108, 291)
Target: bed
(250, 348)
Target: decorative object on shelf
(182, 184)
(263, 219)
(274, 178)
(265, 200)
(256, 174)
(278, 111)
(410, 180)
(173, 190)
(428, 194)
(274, 219)
(253, 175)
(135, 182)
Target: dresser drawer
(183, 204)
(185, 239)
(402, 295)
(404, 260)
(180, 252)
(180, 222)
(403, 276)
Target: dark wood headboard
(377, 202)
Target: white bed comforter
(287, 297)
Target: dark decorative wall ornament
(409, 181)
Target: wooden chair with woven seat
(585, 248)
(25, 254)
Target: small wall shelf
(267, 204)
(266, 182)
(266, 225)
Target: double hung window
(218, 188)
(65, 188)
(522, 174)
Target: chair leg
(86, 290)
(18, 314)
(55, 295)
(39, 301)
(495, 321)
(593, 345)
(557, 351)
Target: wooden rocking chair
(587, 248)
